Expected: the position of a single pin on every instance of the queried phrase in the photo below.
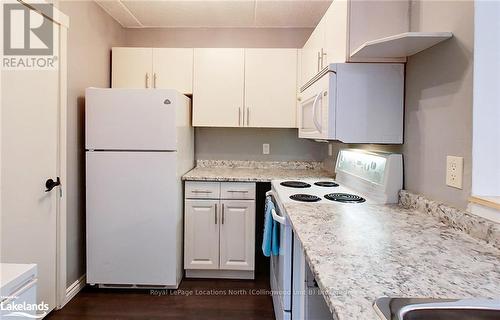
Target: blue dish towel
(270, 240)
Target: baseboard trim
(221, 274)
(73, 290)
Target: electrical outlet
(265, 148)
(454, 171)
(330, 150)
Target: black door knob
(50, 184)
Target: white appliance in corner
(139, 143)
(354, 103)
(18, 287)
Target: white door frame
(62, 21)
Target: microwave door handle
(315, 120)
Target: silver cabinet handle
(239, 116)
(201, 191)
(215, 215)
(323, 55)
(154, 80)
(222, 213)
(318, 62)
(147, 79)
(248, 116)
(241, 191)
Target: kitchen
(258, 80)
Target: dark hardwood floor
(195, 299)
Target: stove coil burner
(326, 184)
(344, 197)
(295, 184)
(305, 197)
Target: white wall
(438, 110)
(91, 35)
(217, 37)
(486, 115)
(246, 144)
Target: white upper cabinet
(231, 87)
(270, 88)
(165, 68)
(310, 57)
(173, 68)
(348, 24)
(218, 87)
(131, 68)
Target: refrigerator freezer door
(130, 119)
(133, 218)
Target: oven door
(281, 266)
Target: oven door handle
(276, 217)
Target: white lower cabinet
(237, 230)
(219, 233)
(201, 234)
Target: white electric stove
(362, 178)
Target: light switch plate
(454, 171)
(265, 148)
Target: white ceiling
(216, 13)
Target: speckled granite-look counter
(359, 253)
(254, 171)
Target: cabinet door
(201, 234)
(237, 235)
(218, 87)
(131, 67)
(335, 33)
(173, 69)
(310, 55)
(270, 87)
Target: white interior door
(29, 156)
(173, 69)
(237, 235)
(270, 88)
(218, 87)
(132, 68)
(201, 234)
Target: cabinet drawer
(202, 190)
(237, 190)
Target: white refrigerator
(139, 143)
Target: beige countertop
(360, 253)
(250, 171)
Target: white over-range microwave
(354, 103)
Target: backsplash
(471, 224)
(246, 144)
(305, 165)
